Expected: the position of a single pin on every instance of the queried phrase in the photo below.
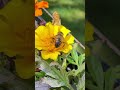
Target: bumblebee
(59, 39)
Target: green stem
(70, 87)
(47, 12)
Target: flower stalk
(47, 12)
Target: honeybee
(59, 39)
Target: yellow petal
(25, 63)
(89, 30)
(50, 28)
(67, 48)
(42, 32)
(64, 31)
(51, 55)
(69, 39)
(37, 42)
(47, 24)
(56, 29)
(25, 68)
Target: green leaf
(81, 67)
(81, 83)
(117, 72)
(87, 75)
(117, 68)
(44, 66)
(109, 79)
(105, 52)
(74, 55)
(64, 64)
(39, 75)
(95, 68)
(81, 58)
(90, 86)
(70, 60)
(78, 48)
(52, 82)
(60, 76)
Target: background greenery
(72, 14)
(104, 15)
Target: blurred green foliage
(105, 15)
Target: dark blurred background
(105, 15)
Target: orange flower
(38, 6)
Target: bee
(59, 39)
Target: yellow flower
(16, 36)
(46, 38)
(89, 30)
(25, 64)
